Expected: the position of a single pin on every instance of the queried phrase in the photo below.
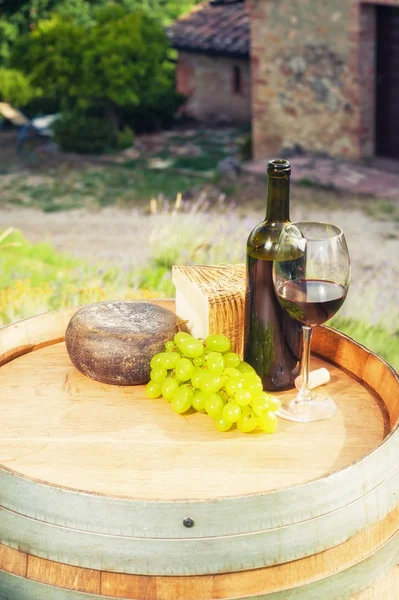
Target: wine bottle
(272, 338)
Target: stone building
(213, 69)
(325, 75)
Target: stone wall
(313, 76)
(208, 82)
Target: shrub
(245, 147)
(8, 35)
(52, 57)
(120, 64)
(78, 131)
(156, 113)
(15, 87)
(125, 138)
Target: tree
(126, 62)
(8, 36)
(120, 62)
(15, 88)
(52, 56)
(18, 17)
(164, 11)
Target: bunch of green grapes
(208, 377)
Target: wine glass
(311, 273)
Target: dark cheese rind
(113, 342)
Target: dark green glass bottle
(273, 339)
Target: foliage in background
(119, 69)
(51, 55)
(26, 13)
(15, 87)
(19, 17)
(125, 138)
(8, 36)
(78, 131)
(245, 147)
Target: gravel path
(121, 237)
(112, 234)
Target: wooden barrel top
(80, 459)
(66, 430)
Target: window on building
(237, 80)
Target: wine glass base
(319, 408)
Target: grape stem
(179, 325)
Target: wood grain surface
(98, 438)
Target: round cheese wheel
(113, 342)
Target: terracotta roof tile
(219, 27)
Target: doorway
(387, 82)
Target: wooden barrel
(106, 494)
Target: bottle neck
(278, 198)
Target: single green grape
(232, 386)
(157, 360)
(169, 388)
(215, 363)
(170, 359)
(184, 369)
(182, 399)
(222, 424)
(245, 367)
(198, 361)
(268, 422)
(247, 423)
(153, 389)
(199, 401)
(231, 412)
(192, 348)
(158, 374)
(170, 346)
(218, 342)
(274, 403)
(249, 378)
(214, 405)
(231, 359)
(210, 383)
(232, 372)
(254, 388)
(179, 337)
(243, 397)
(260, 403)
(196, 377)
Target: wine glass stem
(304, 394)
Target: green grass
(383, 210)
(375, 338)
(204, 162)
(38, 263)
(92, 186)
(34, 278)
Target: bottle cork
(316, 378)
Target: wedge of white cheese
(212, 299)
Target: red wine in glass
(311, 301)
